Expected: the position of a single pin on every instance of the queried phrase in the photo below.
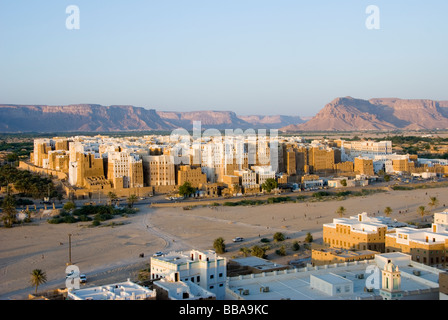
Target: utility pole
(69, 249)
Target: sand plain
(109, 254)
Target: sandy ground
(111, 254)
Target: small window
(212, 276)
(220, 275)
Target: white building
(183, 290)
(358, 280)
(118, 291)
(248, 178)
(263, 173)
(385, 162)
(351, 150)
(121, 163)
(205, 269)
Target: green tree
(132, 199)
(387, 178)
(387, 211)
(112, 197)
(258, 251)
(269, 185)
(344, 182)
(219, 245)
(281, 251)
(295, 246)
(308, 238)
(9, 211)
(245, 251)
(12, 158)
(433, 202)
(69, 206)
(186, 189)
(341, 210)
(421, 211)
(38, 277)
(278, 236)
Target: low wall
(27, 166)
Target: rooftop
(118, 291)
(294, 284)
(184, 290)
(258, 263)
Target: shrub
(281, 251)
(278, 236)
(69, 206)
(308, 238)
(343, 193)
(295, 246)
(258, 252)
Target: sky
(263, 57)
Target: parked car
(238, 239)
(158, 254)
(82, 278)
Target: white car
(158, 254)
(238, 239)
(82, 278)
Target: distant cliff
(98, 118)
(348, 114)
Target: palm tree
(38, 277)
(341, 210)
(433, 202)
(131, 200)
(421, 210)
(219, 245)
(388, 211)
(112, 197)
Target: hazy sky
(248, 56)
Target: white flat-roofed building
(204, 268)
(370, 149)
(357, 233)
(331, 284)
(263, 173)
(426, 245)
(358, 280)
(118, 291)
(183, 290)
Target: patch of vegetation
(278, 236)
(402, 188)
(295, 246)
(88, 213)
(281, 251)
(322, 194)
(26, 183)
